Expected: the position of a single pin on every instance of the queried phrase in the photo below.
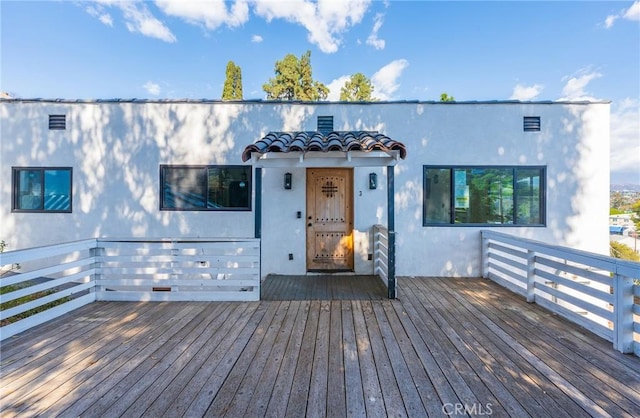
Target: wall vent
(531, 123)
(57, 122)
(325, 124)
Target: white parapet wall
(116, 147)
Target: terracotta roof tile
(304, 141)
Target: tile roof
(305, 141)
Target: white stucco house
(309, 179)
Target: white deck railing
(74, 274)
(592, 290)
(61, 275)
(381, 253)
(178, 270)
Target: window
(37, 189)
(484, 196)
(205, 187)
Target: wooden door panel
(329, 219)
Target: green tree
(635, 208)
(232, 89)
(623, 251)
(357, 89)
(444, 97)
(294, 80)
(617, 201)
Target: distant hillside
(623, 187)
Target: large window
(205, 187)
(38, 189)
(484, 195)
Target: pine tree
(357, 89)
(232, 89)
(294, 80)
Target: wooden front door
(329, 219)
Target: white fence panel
(179, 270)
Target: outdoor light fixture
(373, 181)
(287, 181)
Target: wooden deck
(323, 287)
(445, 346)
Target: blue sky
(411, 50)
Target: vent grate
(325, 124)
(531, 123)
(57, 122)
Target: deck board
(327, 346)
(280, 392)
(297, 405)
(354, 397)
(336, 392)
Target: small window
(57, 122)
(205, 188)
(37, 189)
(531, 123)
(483, 196)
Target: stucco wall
(115, 150)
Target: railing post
(376, 245)
(391, 234)
(531, 276)
(484, 255)
(97, 253)
(623, 309)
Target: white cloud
(106, 19)
(610, 20)
(373, 39)
(335, 86)
(521, 92)
(632, 13)
(385, 80)
(152, 88)
(625, 140)
(325, 20)
(210, 14)
(256, 39)
(98, 12)
(576, 85)
(138, 18)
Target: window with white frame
(205, 188)
(42, 189)
(484, 195)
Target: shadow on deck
(444, 347)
